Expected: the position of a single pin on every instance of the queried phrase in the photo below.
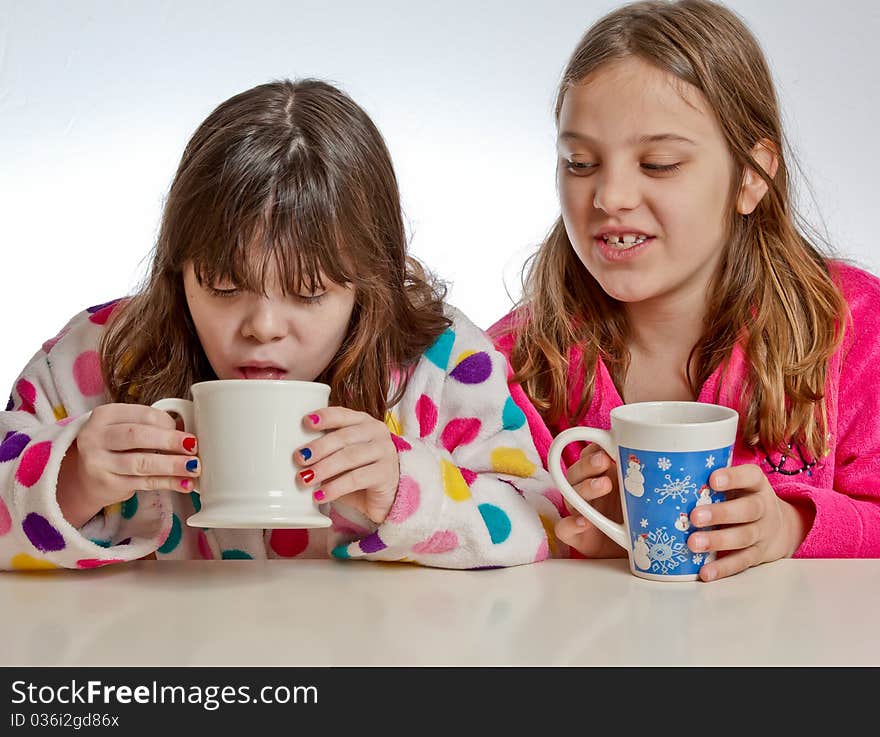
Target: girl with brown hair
(677, 271)
(281, 256)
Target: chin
(629, 290)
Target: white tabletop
(559, 612)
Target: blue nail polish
(192, 464)
(306, 454)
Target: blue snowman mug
(665, 453)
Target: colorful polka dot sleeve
(50, 402)
(472, 492)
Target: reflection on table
(559, 612)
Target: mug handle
(183, 407)
(603, 439)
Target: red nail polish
(185, 484)
(314, 419)
(189, 444)
(307, 475)
(319, 495)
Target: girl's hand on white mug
(123, 448)
(594, 477)
(756, 526)
(355, 459)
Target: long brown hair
(769, 270)
(297, 170)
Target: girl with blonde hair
(677, 271)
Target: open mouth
(625, 241)
(621, 247)
(261, 372)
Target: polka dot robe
(472, 490)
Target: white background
(97, 100)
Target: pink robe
(842, 488)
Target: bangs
(290, 221)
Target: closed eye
(215, 292)
(311, 299)
(662, 168)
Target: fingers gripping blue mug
(665, 453)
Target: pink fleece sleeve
(847, 522)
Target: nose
(264, 320)
(616, 190)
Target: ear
(753, 187)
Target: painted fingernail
(307, 476)
(314, 419)
(700, 517)
(319, 495)
(189, 444)
(185, 484)
(192, 464)
(306, 454)
(719, 480)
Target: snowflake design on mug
(665, 551)
(678, 489)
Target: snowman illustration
(634, 481)
(682, 523)
(640, 552)
(704, 496)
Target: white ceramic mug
(665, 453)
(247, 433)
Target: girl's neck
(662, 334)
(667, 326)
